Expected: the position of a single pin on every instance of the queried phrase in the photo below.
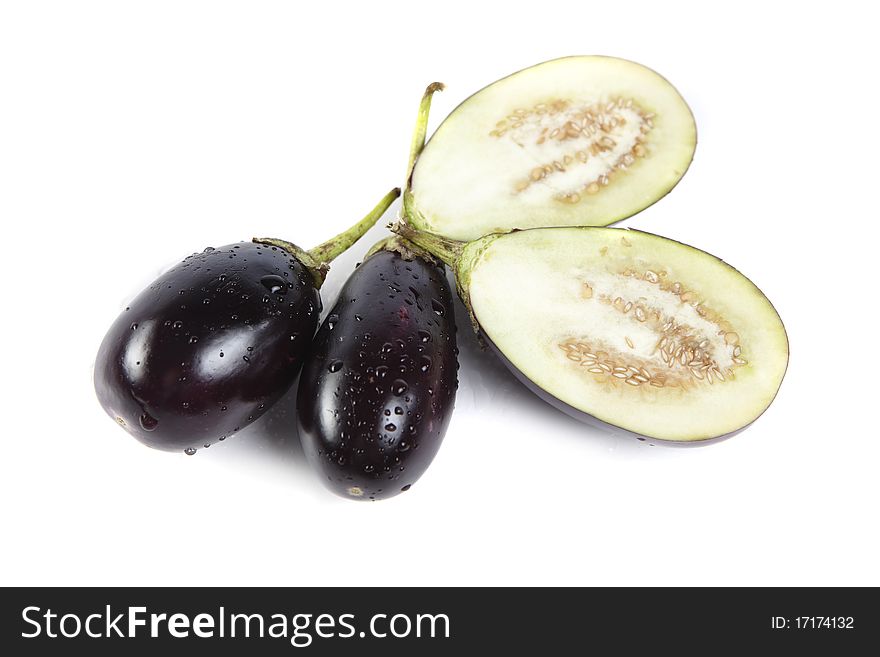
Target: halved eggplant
(578, 141)
(639, 331)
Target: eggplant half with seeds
(378, 387)
(577, 141)
(211, 344)
(635, 330)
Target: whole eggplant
(211, 344)
(378, 386)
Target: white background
(132, 134)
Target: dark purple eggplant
(378, 386)
(215, 341)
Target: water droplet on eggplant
(274, 283)
(148, 422)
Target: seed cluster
(603, 361)
(597, 123)
(686, 355)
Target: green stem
(418, 138)
(318, 259)
(326, 252)
(449, 251)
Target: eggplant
(378, 386)
(212, 343)
(628, 328)
(577, 141)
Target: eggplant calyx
(461, 257)
(317, 269)
(318, 259)
(403, 247)
(449, 251)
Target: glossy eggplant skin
(209, 346)
(378, 388)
